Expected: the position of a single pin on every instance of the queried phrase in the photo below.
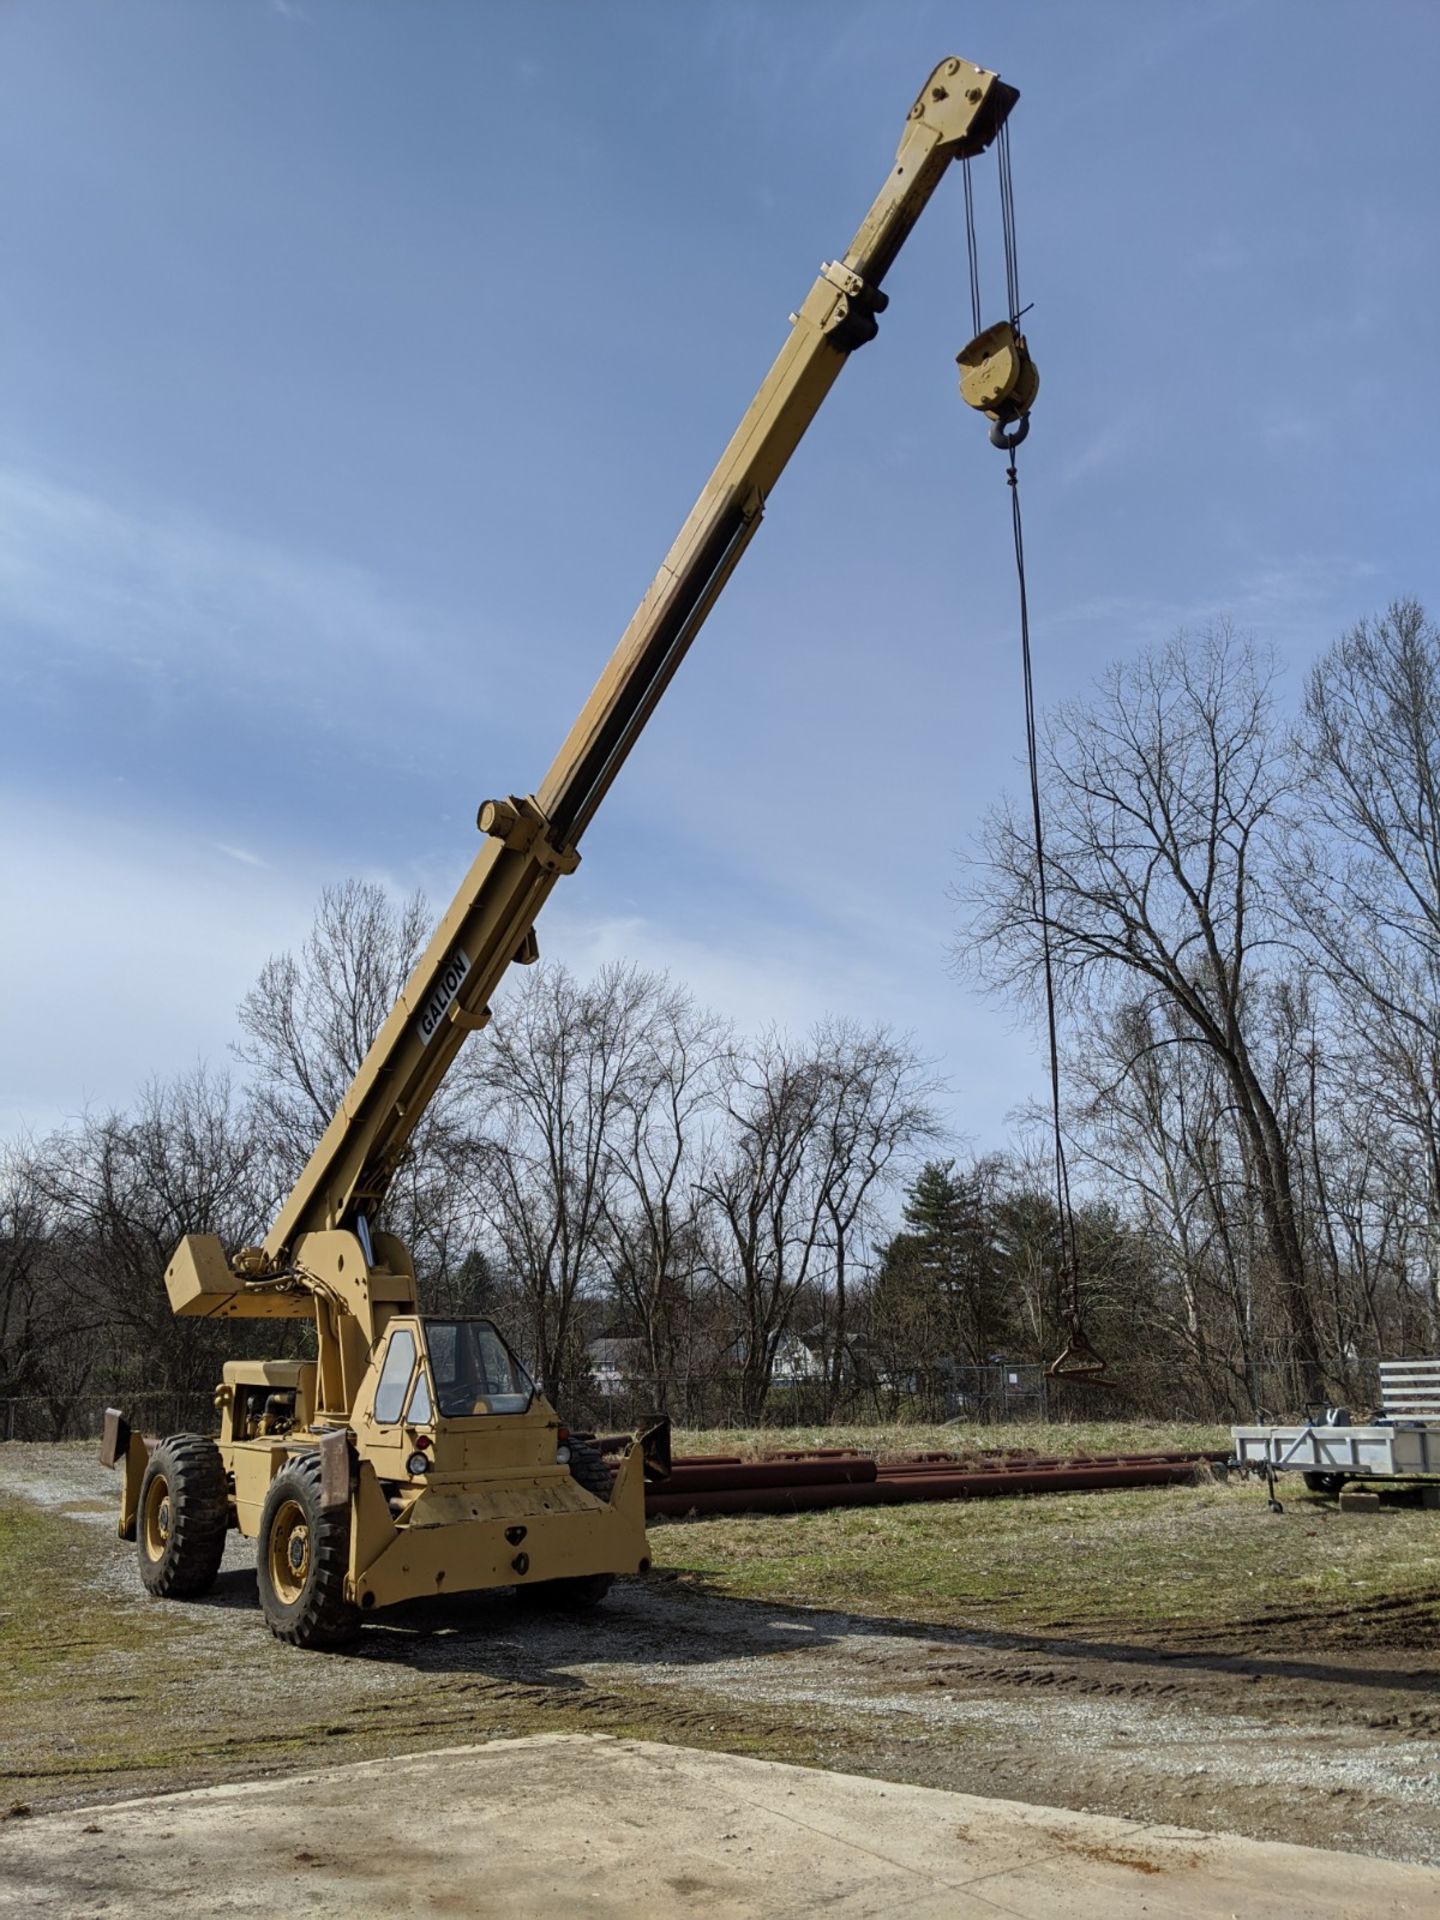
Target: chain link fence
(989, 1395)
(40, 1418)
(982, 1395)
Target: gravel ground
(1303, 1741)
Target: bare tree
(125, 1189)
(814, 1133)
(562, 1067)
(659, 1152)
(875, 1111)
(1164, 802)
(1365, 880)
(308, 1021)
(306, 1026)
(766, 1206)
(29, 1327)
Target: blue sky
(362, 359)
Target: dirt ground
(1317, 1723)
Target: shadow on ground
(685, 1621)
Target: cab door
(382, 1432)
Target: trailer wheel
(184, 1512)
(1330, 1483)
(303, 1553)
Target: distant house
(799, 1359)
(616, 1364)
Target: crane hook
(1007, 440)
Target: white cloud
(179, 604)
(138, 945)
(1106, 447)
(126, 955)
(1292, 601)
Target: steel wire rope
(1069, 1252)
(1069, 1263)
(971, 248)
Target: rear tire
(1330, 1483)
(182, 1519)
(302, 1557)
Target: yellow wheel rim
(288, 1553)
(157, 1518)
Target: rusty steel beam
(901, 1482)
(691, 1476)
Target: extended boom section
(533, 840)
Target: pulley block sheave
(998, 378)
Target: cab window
(419, 1414)
(474, 1371)
(395, 1377)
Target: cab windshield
(474, 1371)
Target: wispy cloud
(1106, 448)
(1285, 599)
(176, 604)
(239, 853)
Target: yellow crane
(414, 1455)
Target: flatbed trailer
(1401, 1442)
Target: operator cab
(454, 1370)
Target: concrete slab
(582, 1824)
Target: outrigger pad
(655, 1450)
(334, 1471)
(114, 1438)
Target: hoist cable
(1007, 225)
(971, 248)
(1079, 1361)
(1069, 1263)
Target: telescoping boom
(531, 841)
(415, 1454)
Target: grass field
(1087, 1563)
(1091, 1436)
(1095, 1650)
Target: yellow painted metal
(156, 1517)
(287, 1551)
(252, 1465)
(997, 375)
(568, 1534)
(493, 1505)
(137, 1458)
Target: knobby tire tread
(199, 1517)
(324, 1618)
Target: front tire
(183, 1516)
(303, 1554)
